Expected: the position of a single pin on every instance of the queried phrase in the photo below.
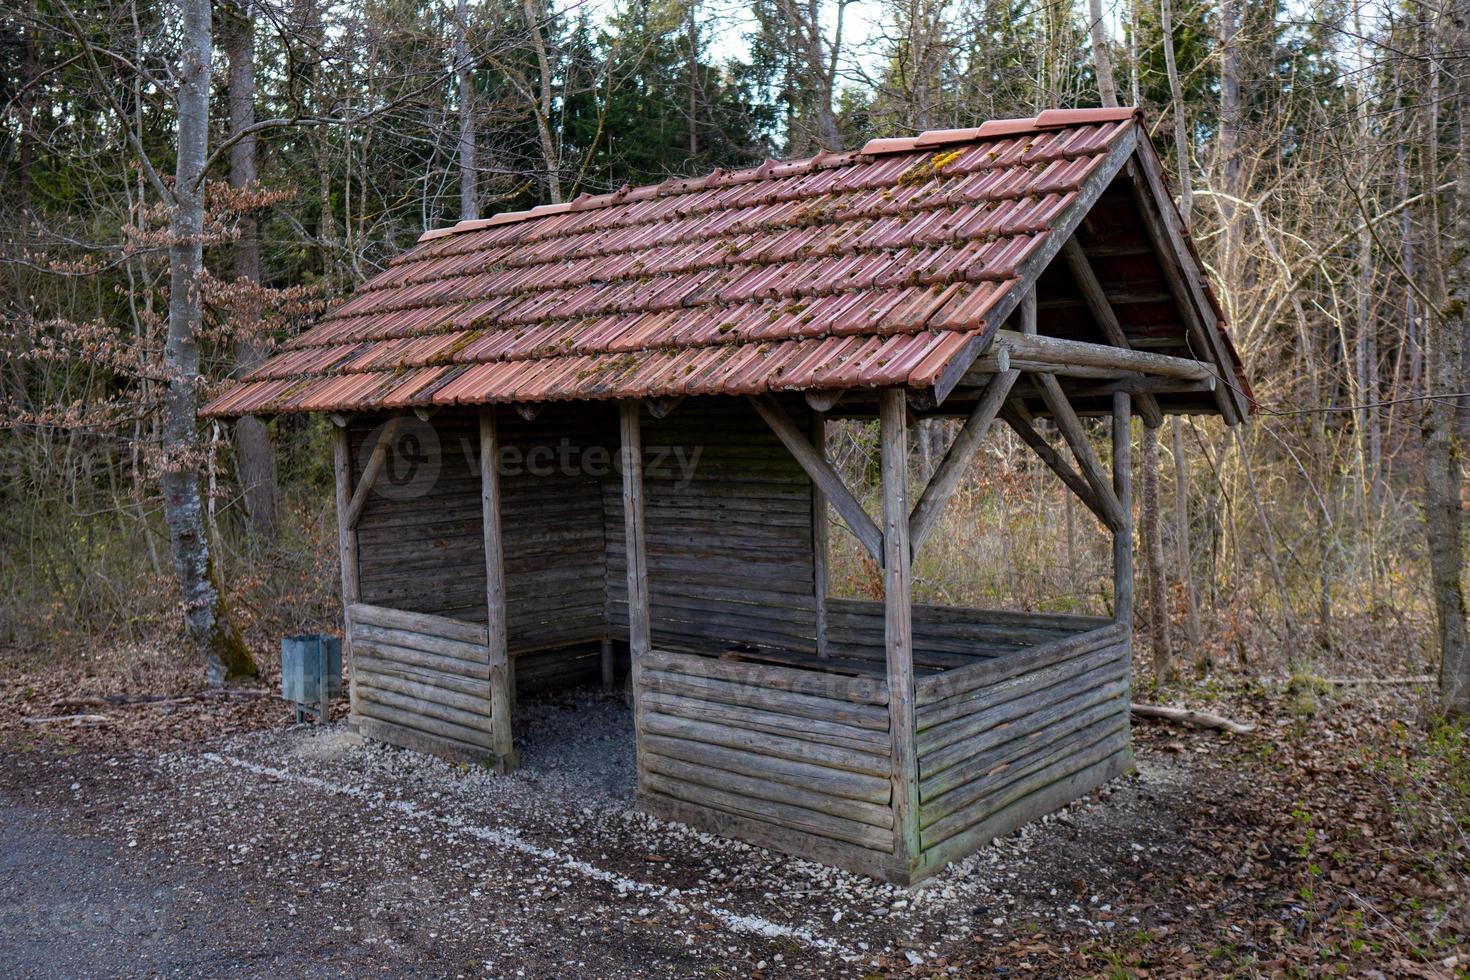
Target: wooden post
(898, 624)
(607, 665)
(496, 642)
(346, 556)
(1123, 490)
(819, 538)
(640, 642)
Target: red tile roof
(881, 267)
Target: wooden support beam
(1016, 416)
(1161, 221)
(1076, 438)
(1102, 312)
(952, 468)
(822, 474)
(497, 645)
(820, 536)
(898, 637)
(346, 554)
(608, 678)
(1071, 354)
(1123, 487)
(373, 467)
(640, 637)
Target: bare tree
(205, 616)
(469, 198)
(1443, 453)
(255, 455)
(1102, 57)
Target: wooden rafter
(1181, 273)
(1076, 438)
(822, 474)
(1015, 415)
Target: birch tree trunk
(469, 198)
(1181, 127)
(205, 615)
(254, 454)
(1102, 58)
(535, 13)
(1443, 457)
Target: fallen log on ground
(1186, 716)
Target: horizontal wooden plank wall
(419, 541)
(425, 552)
(729, 543)
(796, 760)
(422, 681)
(947, 637)
(1007, 740)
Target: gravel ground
(295, 847)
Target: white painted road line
(511, 840)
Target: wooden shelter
(596, 428)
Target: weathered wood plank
(497, 641)
(878, 863)
(771, 722)
(796, 772)
(780, 814)
(761, 743)
(1048, 790)
(898, 640)
(822, 474)
(858, 690)
(414, 622)
(951, 684)
(453, 649)
(799, 705)
(756, 788)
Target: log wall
(421, 549)
(421, 681)
(729, 542)
(796, 760)
(1007, 740)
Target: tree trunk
(1102, 57)
(254, 454)
(1184, 558)
(469, 198)
(205, 616)
(1181, 127)
(1442, 450)
(535, 12)
(1151, 532)
(1230, 120)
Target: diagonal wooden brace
(371, 471)
(1016, 416)
(822, 474)
(1076, 438)
(952, 468)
